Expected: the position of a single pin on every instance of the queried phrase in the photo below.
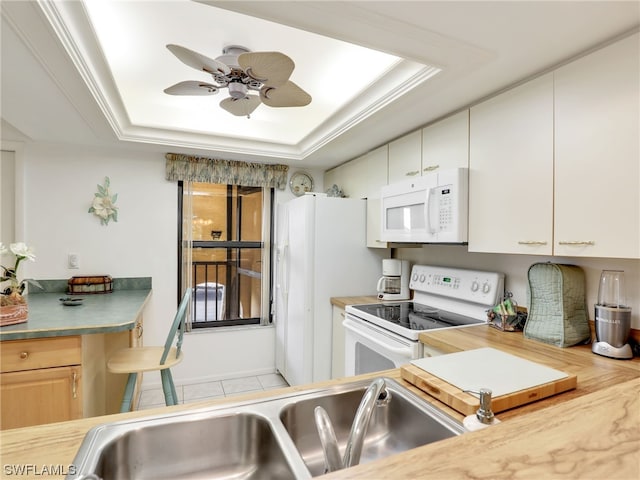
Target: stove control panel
(475, 286)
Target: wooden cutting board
(514, 380)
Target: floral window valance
(226, 172)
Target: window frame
(265, 245)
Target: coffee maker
(394, 283)
(613, 317)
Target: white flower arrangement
(13, 293)
(103, 205)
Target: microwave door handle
(432, 211)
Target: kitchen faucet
(375, 395)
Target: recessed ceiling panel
(133, 36)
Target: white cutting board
(501, 372)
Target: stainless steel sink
(239, 445)
(271, 438)
(402, 422)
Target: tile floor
(154, 397)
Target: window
(225, 256)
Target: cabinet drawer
(18, 355)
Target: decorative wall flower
(103, 205)
(12, 294)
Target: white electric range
(385, 335)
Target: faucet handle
(484, 413)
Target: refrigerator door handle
(284, 270)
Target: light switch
(73, 260)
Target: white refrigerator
(321, 253)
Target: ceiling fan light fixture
(240, 71)
(237, 90)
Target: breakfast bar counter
(94, 313)
(54, 366)
(591, 432)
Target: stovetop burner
(443, 297)
(415, 316)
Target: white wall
(515, 268)
(59, 186)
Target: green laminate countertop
(98, 313)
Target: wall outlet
(73, 260)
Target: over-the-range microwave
(432, 208)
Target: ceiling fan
(242, 71)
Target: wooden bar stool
(134, 360)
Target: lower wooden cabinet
(40, 381)
(41, 396)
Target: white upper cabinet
(511, 171)
(363, 177)
(555, 163)
(597, 173)
(445, 144)
(405, 157)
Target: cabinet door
(405, 157)
(374, 167)
(369, 173)
(363, 177)
(597, 172)
(337, 344)
(445, 144)
(511, 171)
(46, 395)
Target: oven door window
(368, 360)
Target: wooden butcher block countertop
(594, 372)
(590, 432)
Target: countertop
(98, 313)
(592, 432)
(342, 302)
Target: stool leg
(169, 389)
(127, 400)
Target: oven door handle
(356, 329)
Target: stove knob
(486, 287)
(422, 278)
(415, 277)
(475, 286)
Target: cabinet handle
(577, 242)
(413, 173)
(139, 328)
(24, 355)
(431, 168)
(74, 385)
(531, 242)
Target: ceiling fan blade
(192, 87)
(241, 106)
(271, 68)
(198, 61)
(287, 95)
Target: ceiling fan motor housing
(237, 90)
(230, 55)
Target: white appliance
(394, 282)
(321, 253)
(432, 208)
(385, 335)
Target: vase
(12, 314)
